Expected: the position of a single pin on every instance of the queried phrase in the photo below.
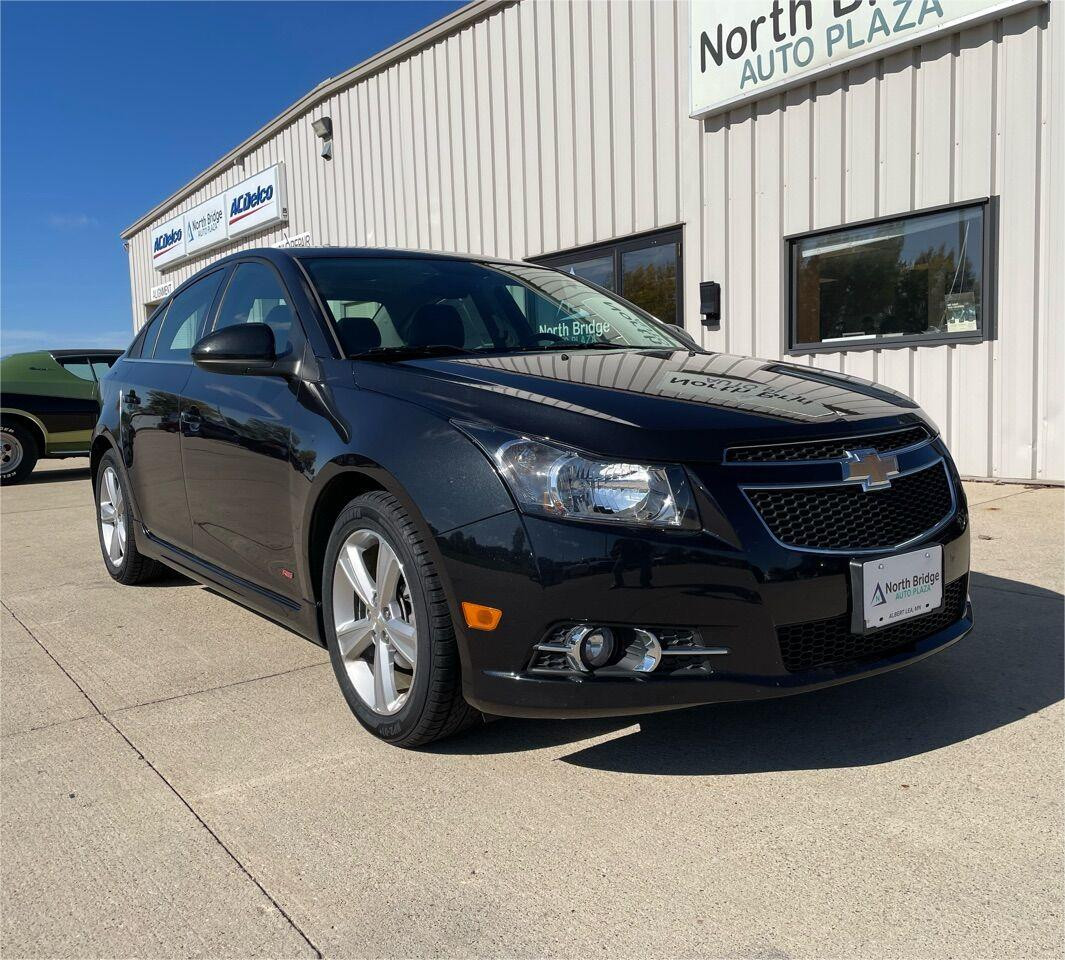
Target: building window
(645, 270)
(921, 278)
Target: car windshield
(401, 306)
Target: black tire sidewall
(30, 453)
(367, 513)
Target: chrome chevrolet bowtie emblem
(868, 468)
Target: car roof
(301, 253)
(91, 352)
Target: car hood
(658, 405)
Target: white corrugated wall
(549, 125)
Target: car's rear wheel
(18, 453)
(123, 560)
(388, 628)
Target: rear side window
(184, 320)
(78, 366)
(145, 340)
(255, 295)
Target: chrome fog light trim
(643, 654)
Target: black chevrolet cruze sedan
(491, 488)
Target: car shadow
(1010, 666)
(57, 476)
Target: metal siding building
(525, 129)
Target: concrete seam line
(222, 686)
(188, 806)
(152, 703)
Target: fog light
(589, 647)
(598, 647)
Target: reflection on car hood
(664, 404)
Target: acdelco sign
(257, 202)
(245, 205)
(168, 242)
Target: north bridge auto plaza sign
(744, 49)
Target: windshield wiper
(594, 345)
(407, 352)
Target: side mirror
(244, 348)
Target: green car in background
(49, 402)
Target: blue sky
(107, 108)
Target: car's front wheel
(390, 635)
(123, 560)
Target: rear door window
(184, 320)
(79, 366)
(100, 368)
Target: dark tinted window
(146, 337)
(921, 276)
(184, 320)
(255, 295)
(645, 270)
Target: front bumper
(739, 588)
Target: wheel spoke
(353, 563)
(404, 639)
(384, 678)
(109, 482)
(388, 572)
(107, 512)
(354, 637)
(114, 548)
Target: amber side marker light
(479, 617)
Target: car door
(75, 406)
(151, 410)
(237, 442)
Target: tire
(18, 453)
(123, 560)
(423, 702)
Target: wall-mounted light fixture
(710, 304)
(323, 129)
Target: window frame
(616, 248)
(208, 316)
(74, 358)
(986, 330)
(298, 337)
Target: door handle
(131, 399)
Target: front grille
(804, 646)
(835, 449)
(841, 517)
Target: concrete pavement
(182, 778)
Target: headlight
(560, 482)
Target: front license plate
(900, 587)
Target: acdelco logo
(165, 242)
(247, 203)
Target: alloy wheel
(373, 617)
(10, 453)
(112, 516)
